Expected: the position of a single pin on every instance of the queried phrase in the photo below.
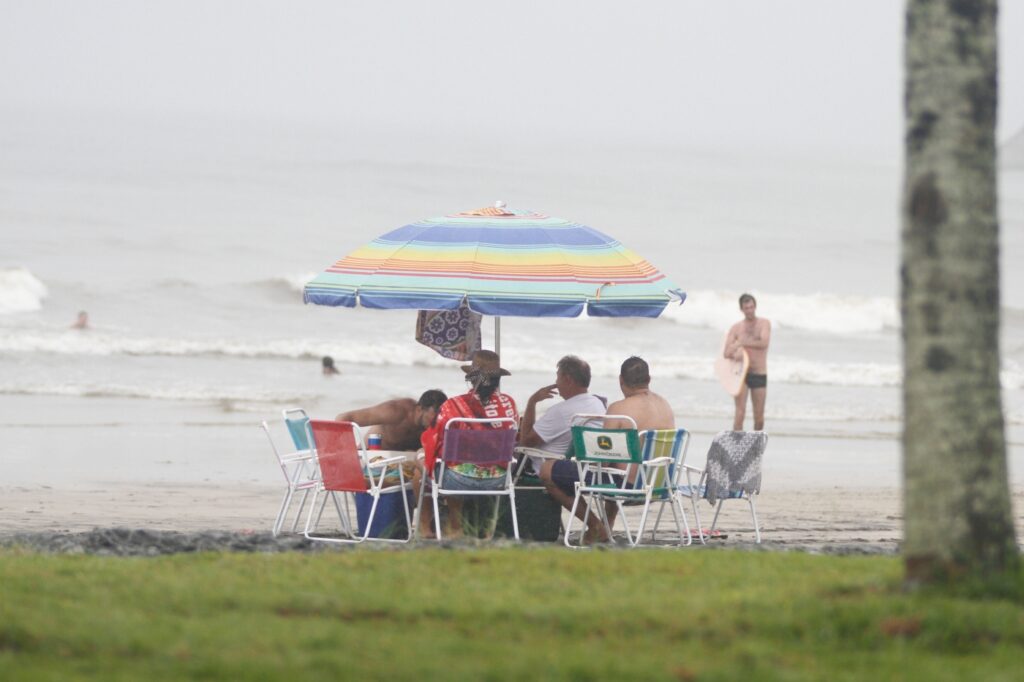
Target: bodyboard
(731, 373)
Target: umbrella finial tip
(499, 204)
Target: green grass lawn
(490, 613)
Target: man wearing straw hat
(484, 400)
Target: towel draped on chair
(734, 464)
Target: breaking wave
(240, 399)
(827, 313)
(20, 291)
(783, 369)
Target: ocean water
(188, 243)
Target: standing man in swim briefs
(752, 333)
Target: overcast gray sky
(809, 73)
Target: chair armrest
(535, 452)
(385, 461)
(523, 455)
(298, 456)
(657, 462)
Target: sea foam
(604, 362)
(20, 291)
(827, 313)
(239, 398)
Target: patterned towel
(734, 464)
(453, 334)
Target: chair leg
(322, 505)
(657, 522)
(342, 514)
(310, 527)
(717, 510)
(279, 521)
(405, 506)
(696, 519)
(679, 512)
(419, 501)
(643, 518)
(625, 523)
(753, 514)
(298, 514)
(572, 515)
(437, 511)
(512, 510)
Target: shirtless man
(647, 408)
(753, 334)
(400, 422)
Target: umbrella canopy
(500, 262)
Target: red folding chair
(338, 447)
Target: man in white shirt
(553, 432)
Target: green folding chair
(612, 468)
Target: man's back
(394, 420)
(648, 409)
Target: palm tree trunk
(958, 519)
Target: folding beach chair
(597, 451)
(732, 472)
(298, 467)
(483, 447)
(343, 462)
(671, 443)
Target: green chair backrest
(606, 446)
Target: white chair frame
(300, 474)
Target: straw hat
(486, 362)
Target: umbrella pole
(497, 335)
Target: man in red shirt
(483, 401)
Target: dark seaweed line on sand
(142, 542)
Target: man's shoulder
(619, 406)
(586, 399)
(406, 404)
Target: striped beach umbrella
(499, 262)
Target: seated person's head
(573, 376)
(484, 374)
(427, 407)
(634, 373)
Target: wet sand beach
(166, 470)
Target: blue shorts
(565, 473)
(453, 480)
